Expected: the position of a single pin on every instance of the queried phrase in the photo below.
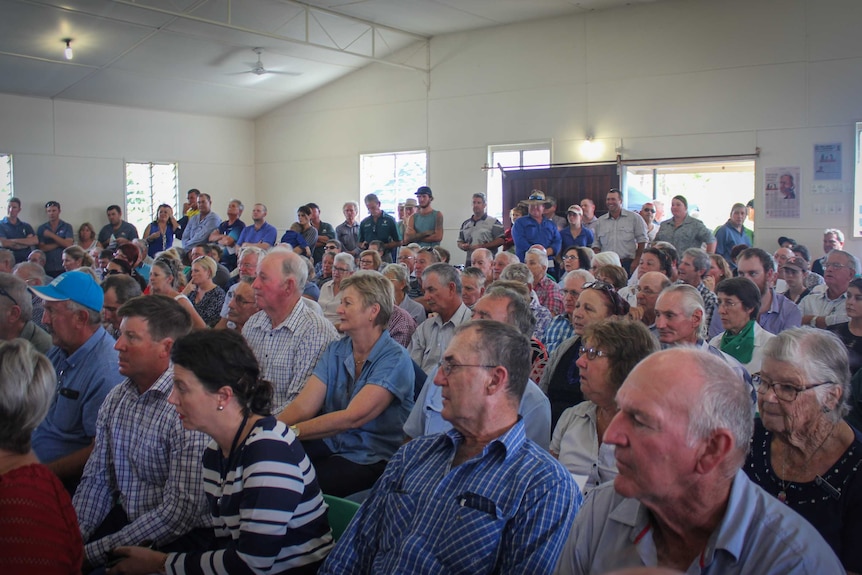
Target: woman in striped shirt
(261, 487)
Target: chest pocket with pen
(474, 534)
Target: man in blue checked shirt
(480, 498)
(144, 479)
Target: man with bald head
(484, 260)
(681, 500)
(286, 336)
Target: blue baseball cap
(75, 286)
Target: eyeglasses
(591, 353)
(6, 293)
(341, 270)
(729, 303)
(242, 301)
(783, 391)
(569, 258)
(648, 210)
(834, 266)
(367, 262)
(401, 258)
(645, 291)
(447, 366)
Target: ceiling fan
(258, 68)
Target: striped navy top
(267, 507)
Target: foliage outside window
(148, 185)
(394, 177)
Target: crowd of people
(586, 394)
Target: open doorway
(711, 188)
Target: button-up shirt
(527, 232)
(550, 296)
(559, 330)
(433, 336)
(252, 235)
(17, 231)
(620, 235)
(288, 352)
(482, 231)
(757, 534)
(818, 303)
(148, 463)
(83, 381)
(198, 230)
(506, 510)
(349, 237)
(690, 234)
(782, 314)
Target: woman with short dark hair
(742, 338)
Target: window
(147, 186)
(514, 157)
(710, 188)
(5, 177)
(393, 177)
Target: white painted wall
(677, 78)
(74, 153)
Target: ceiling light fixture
(68, 50)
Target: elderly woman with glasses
(609, 351)
(802, 450)
(351, 411)
(330, 293)
(742, 338)
(370, 260)
(561, 379)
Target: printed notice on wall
(782, 192)
(827, 162)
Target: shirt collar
(509, 442)
(82, 352)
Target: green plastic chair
(341, 511)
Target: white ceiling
(190, 55)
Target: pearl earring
(220, 407)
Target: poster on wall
(827, 162)
(782, 192)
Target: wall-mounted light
(68, 50)
(591, 149)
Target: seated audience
(718, 270)
(561, 378)
(16, 309)
(521, 274)
(480, 498)
(398, 275)
(546, 289)
(576, 258)
(824, 306)
(38, 527)
(503, 260)
(609, 351)
(159, 235)
(242, 305)
(614, 275)
(260, 487)
(650, 285)
(164, 280)
(560, 328)
(326, 263)
(205, 295)
(330, 293)
(472, 285)
(85, 361)
(742, 338)
(795, 275)
(370, 260)
(680, 500)
(605, 259)
(802, 451)
(75, 257)
(359, 395)
(850, 332)
(143, 479)
(506, 306)
(116, 290)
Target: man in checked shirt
(143, 482)
(480, 498)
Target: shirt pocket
(473, 538)
(151, 460)
(399, 511)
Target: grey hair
(606, 258)
(346, 259)
(238, 203)
(699, 258)
(373, 288)
(585, 274)
(691, 298)
(254, 250)
(541, 254)
(93, 317)
(834, 232)
(446, 273)
(17, 290)
(501, 344)
(517, 272)
(724, 403)
(354, 204)
(293, 267)
(27, 383)
(476, 274)
(513, 259)
(518, 312)
(484, 251)
(820, 356)
(851, 259)
(32, 271)
(7, 257)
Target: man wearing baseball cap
(425, 227)
(87, 369)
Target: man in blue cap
(87, 368)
